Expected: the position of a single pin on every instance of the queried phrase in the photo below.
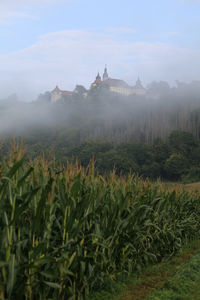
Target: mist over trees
(156, 135)
(115, 118)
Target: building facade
(113, 85)
(118, 86)
(58, 94)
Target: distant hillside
(118, 118)
(154, 135)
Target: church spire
(98, 77)
(105, 74)
(139, 84)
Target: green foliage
(184, 285)
(170, 160)
(192, 175)
(67, 232)
(161, 151)
(151, 170)
(176, 165)
(182, 142)
(174, 159)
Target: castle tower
(105, 74)
(98, 78)
(97, 81)
(138, 84)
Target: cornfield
(64, 232)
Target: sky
(44, 43)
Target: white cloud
(8, 3)
(10, 15)
(12, 9)
(74, 56)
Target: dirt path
(157, 275)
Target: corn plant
(65, 232)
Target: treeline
(156, 135)
(107, 116)
(121, 119)
(177, 158)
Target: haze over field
(48, 42)
(99, 122)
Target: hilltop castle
(114, 85)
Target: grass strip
(184, 285)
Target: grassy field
(183, 285)
(192, 186)
(179, 187)
(67, 232)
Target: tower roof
(56, 89)
(105, 74)
(116, 83)
(98, 77)
(138, 84)
(97, 81)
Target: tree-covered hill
(109, 116)
(156, 135)
(177, 158)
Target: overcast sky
(44, 43)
